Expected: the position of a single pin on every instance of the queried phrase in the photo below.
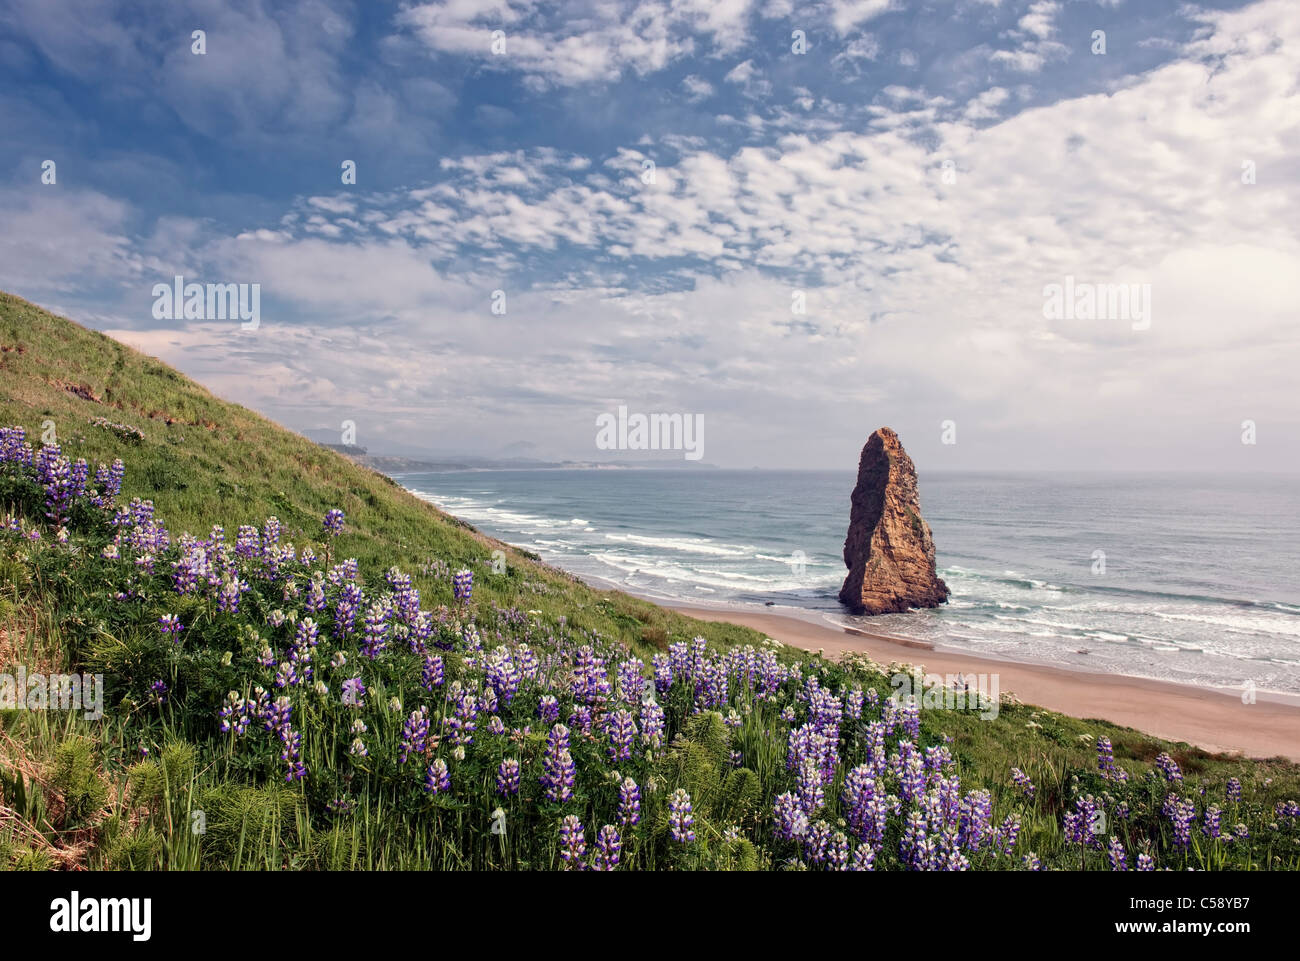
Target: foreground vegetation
(344, 678)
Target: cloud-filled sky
(657, 187)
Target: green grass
(156, 784)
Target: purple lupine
(663, 673)
(432, 674)
(631, 682)
(159, 691)
(548, 708)
(1145, 862)
(809, 788)
(462, 585)
(1082, 824)
(354, 692)
(463, 721)
(171, 626)
(680, 818)
(1004, 839)
(1212, 828)
(333, 522)
(1169, 768)
(573, 842)
(1021, 780)
(508, 777)
(1234, 790)
(622, 733)
(1181, 815)
(975, 820)
(1115, 854)
(629, 803)
(415, 735)
(558, 771)
(652, 724)
(790, 817)
(437, 778)
(233, 714)
(376, 630)
(609, 846)
(502, 673)
(863, 803)
(864, 859)
(1105, 758)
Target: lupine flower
(1145, 862)
(437, 778)
(680, 818)
(1105, 757)
(1181, 815)
(608, 848)
(629, 802)
(622, 731)
(558, 771)
(159, 691)
(354, 692)
(508, 777)
(1115, 854)
(573, 842)
(1021, 780)
(171, 626)
(432, 674)
(790, 817)
(652, 724)
(333, 522)
(548, 708)
(415, 734)
(1169, 768)
(1212, 827)
(462, 584)
(1234, 790)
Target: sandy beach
(1210, 719)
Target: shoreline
(1213, 720)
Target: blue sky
(920, 173)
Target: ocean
(1187, 578)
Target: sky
(790, 222)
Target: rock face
(889, 551)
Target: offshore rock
(889, 550)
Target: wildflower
(608, 848)
(159, 690)
(354, 692)
(358, 748)
(548, 708)
(1212, 826)
(680, 818)
(437, 779)
(1169, 768)
(622, 730)
(1145, 862)
(1021, 780)
(1115, 854)
(573, 842)
(171, 626)
(629, 802)
(557, 765)
(1234, 790)
(1105, 758)
(432, 674)
(508, 777)
(333, 522)
(415, 734)
(462, 584)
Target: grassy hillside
(268, 703)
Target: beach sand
(1210, 719)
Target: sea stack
(889, 551)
